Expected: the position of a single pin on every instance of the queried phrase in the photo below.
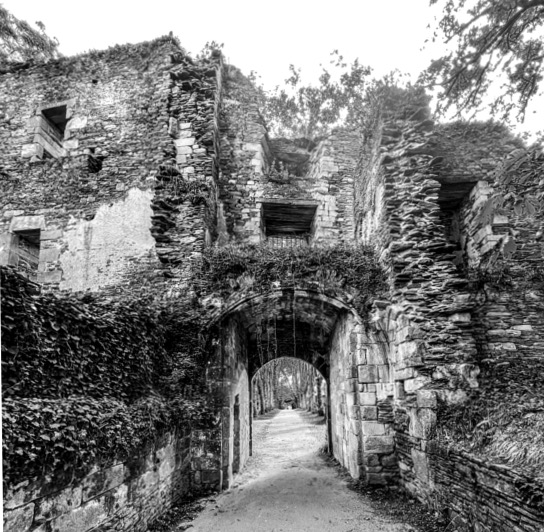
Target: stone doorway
(326, 333)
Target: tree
(495, 41)
(310, 111)
(346, 95)
(19, 41)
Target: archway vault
(288, 322)
(325, 331)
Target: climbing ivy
(350, 268)
(86, 380)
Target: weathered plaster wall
(126, 496)
(148, 115)
(96, 251)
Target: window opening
(26, 252)
(288, 225)
(55, 122)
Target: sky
(265, 37)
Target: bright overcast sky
(262, 36)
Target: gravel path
(288, 486)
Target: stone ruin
(92, 146)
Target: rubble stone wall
(125, 496)
(474, 494)
(438, 328)
(249, 177)
(133, 192)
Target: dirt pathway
(287, 486)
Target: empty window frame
(52, 123)
(25, 252)
(288, 224)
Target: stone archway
(326, 332)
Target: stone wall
(131, 193)
(226, 450)
(89, 216)
(125, 496)
(256, 169)
(474, 494)
(361, 403)
(419, 201)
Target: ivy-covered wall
(96, 426)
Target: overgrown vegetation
(497, 45)
(504, 419)
(351, 268)
(85, 380)
(19, 41)
(89, 381)
(345, 95)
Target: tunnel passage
(327, 333)
(287, 382)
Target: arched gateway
(327, 332)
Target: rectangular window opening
(25, 252)
(288, 225)
(55, 122)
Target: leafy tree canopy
(346, 95)
(496, 45)
(19, 41)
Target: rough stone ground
(289, 485)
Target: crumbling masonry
(92, 146)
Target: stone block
(383, 373)
(389, 460)
(404, 373)
(50, 277)
(211, 476)
(421, 465)
(410, 353)
(426, 398)
(367, 398)
(460, 317)
(51, 234)
(422, 422)
(20, 519)
(525, 327)
(385, 390)
(77, 122)
(412, 385)
(49, 254)
(71, 144)
(367, 373)
(189, 141)
(184, 150)
(11, 213)
(103, 481)
(379, 444)
(375, 356)
(32, 150)
(373, 428)
(83, 518)
(58, 504)
(368, 412)
(25, 223)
